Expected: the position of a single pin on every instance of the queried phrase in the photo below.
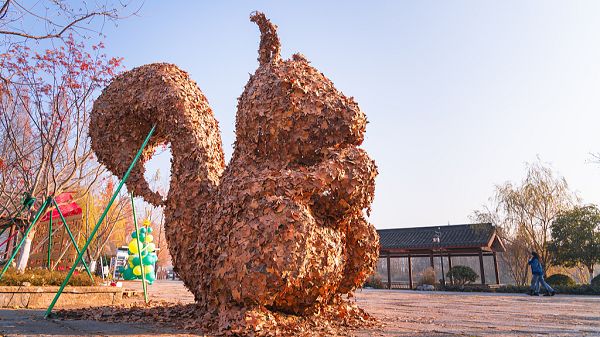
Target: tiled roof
(451, 236)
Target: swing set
(28, 201)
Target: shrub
(462, 274)
(560, 280)
(482, 288)
(377, 283)
(596, 281)
(43, 277)
(428, 277)
(584, 289)
(509, 288)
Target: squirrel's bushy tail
(163, 95)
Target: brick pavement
(403, 313)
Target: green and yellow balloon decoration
(133, 270)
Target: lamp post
(437, 239)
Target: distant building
(476, 240)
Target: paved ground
(404, 313)
(411, 313)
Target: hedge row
(585, 289)
(43, 277)
(478, 288)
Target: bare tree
(49, 19)
(523, 214)
(517, 247)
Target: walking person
(538, 277)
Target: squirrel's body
(282, 225)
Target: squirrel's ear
(269, 41)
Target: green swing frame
(93, 233)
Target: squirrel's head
(289, 111)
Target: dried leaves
(281, 228)
(269, 41)
(339, 318)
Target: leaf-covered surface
(281, 229)
(340, 318)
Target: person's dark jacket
(536, 266)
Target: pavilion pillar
(481, 268)
(389, 270)
(496, 268)
(410, 280)
(450, 268)
(431, 259)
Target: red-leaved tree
(45, 100)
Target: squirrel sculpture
(281, 226)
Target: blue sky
(459, 94)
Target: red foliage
(64, 76)
(45, 100)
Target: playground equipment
(26, 202)
(58, 238)
(48, 202)
(93, 233)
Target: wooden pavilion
(453, 241)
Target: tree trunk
(24, 255)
